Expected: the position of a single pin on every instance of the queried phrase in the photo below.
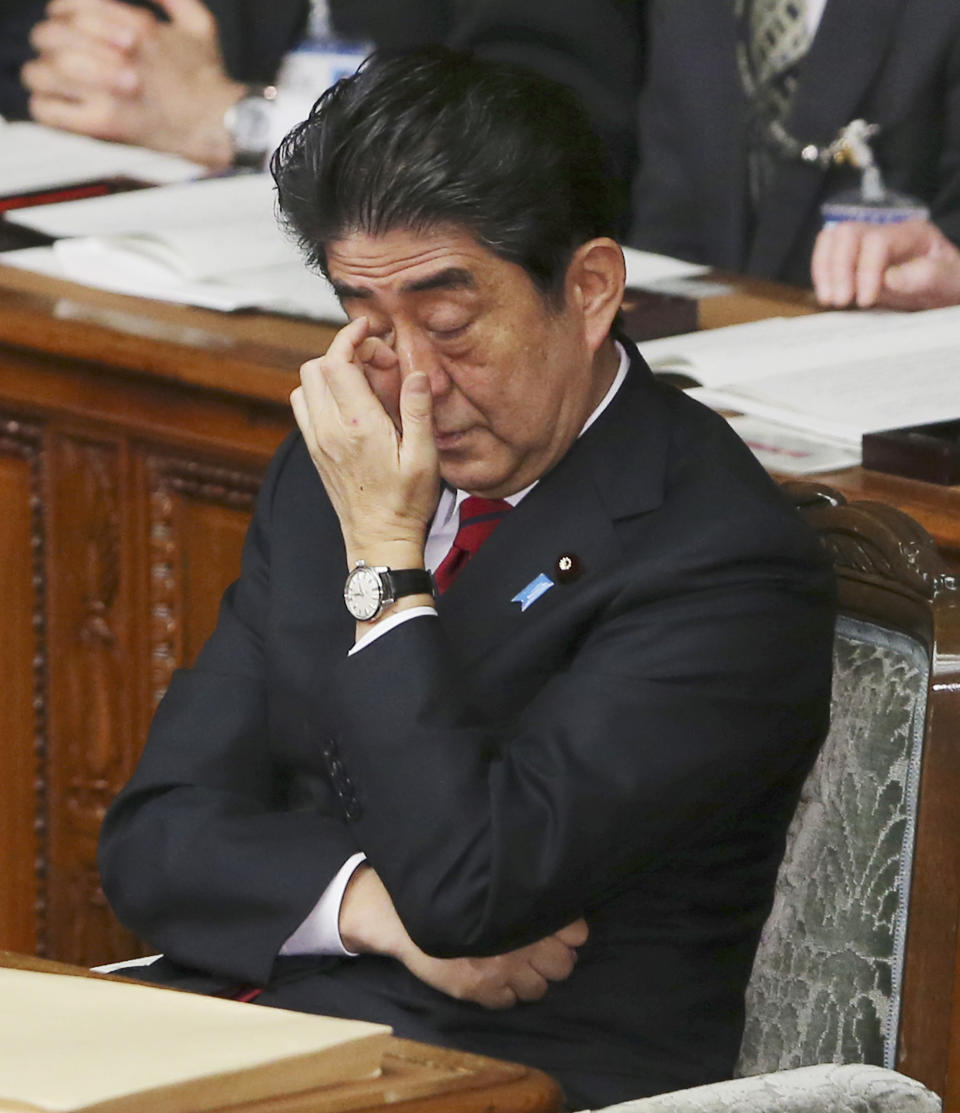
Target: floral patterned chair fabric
(856, 972)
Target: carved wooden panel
(91, 711)
(199, 515)
(22, 688)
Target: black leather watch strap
(407, 581)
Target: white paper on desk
(647, 268)
(244, 201)
(288, 288)
(33, 157)
(740, 353)
(790, 451)
(215, 243)
(848, 398)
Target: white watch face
(362, 593)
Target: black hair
(438, 137)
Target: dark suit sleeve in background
(16, 19)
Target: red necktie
(478, 519)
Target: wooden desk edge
(416, 1077)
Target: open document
(829, 377)
(34, 158)
(215, 243)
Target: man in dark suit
(893, 63)
(540, 814)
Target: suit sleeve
(203, 853)
(679, 709)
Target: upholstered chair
(858, 959)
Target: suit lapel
(571, 511)
(847, 51)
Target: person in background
(190, 78)
(218, 82)
(741, 102)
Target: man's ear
(595, 283)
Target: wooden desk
(133, 437)
(415, 1078)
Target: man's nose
(416, 352)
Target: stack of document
(820, 382)
(215, 243)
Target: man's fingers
(872, 263)
(373, 352)
(74, 73)
(918, 284)
(819, 265)
(552, 959)
(528, 983)
(123, 25)
(314, 394)
(575, 934)
(839, 247)
(302, 416)
(347, 341)
(499, 997)
(92, 115)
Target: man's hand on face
(899, 266)
(114, 71)
(369, 923)
(383, 481)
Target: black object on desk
(930, 452)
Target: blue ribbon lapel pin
(532, 592)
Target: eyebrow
(451, 278)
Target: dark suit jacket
(892, 62)
(629, 748)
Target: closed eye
(451, 333)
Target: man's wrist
(369, 923)
(209, 141)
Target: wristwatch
(370, 590)
(248, 122)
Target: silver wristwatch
(248, 123)
(369, 590)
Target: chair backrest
(858, 959)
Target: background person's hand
(369, 923)
(113, 71)
(911, 265)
